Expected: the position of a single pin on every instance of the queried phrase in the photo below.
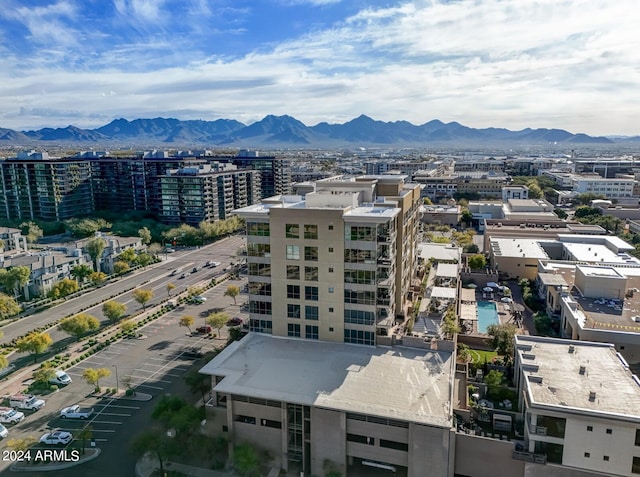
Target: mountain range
(286, 131)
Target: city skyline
(570, 65)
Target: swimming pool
(487, 315)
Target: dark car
(204, 329)
(235, 321)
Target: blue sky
(570, 64)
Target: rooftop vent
(583, 370)
(572, 349)
(592, 396)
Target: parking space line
(118, 406)
(149, 386)
(108, 422)
(114, 414)
(103, 430)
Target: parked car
(215, 264)
(10, 416)
(76, 412)
(169, 250)
(56, 437)
(3, 431)
(26, 401)
(199, 299)
(192, 353)
(60, 378)
(184, 275)
(195, 269)
(204, 329)
(235, 321)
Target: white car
(3, 431)
(199, 299)
(10, 416)
(56, 437)
(60, 378)
(76, 412)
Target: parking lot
(156, 363)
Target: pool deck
(503, 313)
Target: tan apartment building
(335, 265)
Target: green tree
(542, 323)
(94, 375)
(14, 278)
(245, 460)
(86, 227)
(8, 306)
(463, 352)
(44, 374)
(120, 267)
(97, 278)
(128, 256)
(143, 296)
(170, 288)
(113, 310)
(217, 320)
(535, 192)
(31, 231)
(198, 383)
(560, 213)
(157, 442)
(471, 248)
(79, 325)
(144, 259)
(466, 217)
(477, 261)
(154, 249)
(233, 291)
(585, 211)
(502, 338)
(145, 234)
(127, 326)
(81, 272)
(85, 434)
(493, 380)
(63, 288)
(34, 343)
(187, 321)
(95, 248)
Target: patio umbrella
(492, 284)
(506, 299)
(487, 289)
(472, 285)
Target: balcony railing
(530, 457)
(539, 430)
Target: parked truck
(11, 416)
(26, 401)
(76, 412)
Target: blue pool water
(487, 315)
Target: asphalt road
(156, 277)
(156, 364)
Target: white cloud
(510, 63)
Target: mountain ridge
(286, 130)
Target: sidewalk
(146, 466)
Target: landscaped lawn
(479, 356)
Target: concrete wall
(483, 457)
(430, 451)
(328, 440)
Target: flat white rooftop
(517, 247)
(552, 368)
(400, 383)
(586, 252)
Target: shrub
(129, 392)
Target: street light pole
(117, 382)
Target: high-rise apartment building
(193, 194)
(34, 186)
(275, 172)
(336, 265)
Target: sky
(568, 64)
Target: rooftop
(517, 247)
(564, 373)
(447, 270)
(350, 378)
(586, 252)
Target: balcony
(538, 430)
(529, 457)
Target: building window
(361, 439)
(311, 232)
(258, 249)
(246, 419)
(330, 309)
(293, 252)
(293, 330)
(311, 332)
(331, 329)
(360, 233)
(359, 337)
(330, 269)
(330, 249)
(293, 311)
(587, 455)
(359, 317)
(605, 458)
(311, 254)
(270, 423)
(637, 437)
(293, 272)
(258, 228)
(330, 289)
(260, 307)
(359, 297)
(609, 431)
(259, 288)
(259, 269)
(293, 291)
(311, 312)
(590, 428)
(401, 446)
(311, 274)
(292, 231)
(260, 326)
(635, 466)
(311, 293)
(330, 227)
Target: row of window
(310, 273)
(310, 293)
(263, 422)
(382, 442)
(310, 331)
(310, 253)
(310, 312)
(310, 231)
(359, 337)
